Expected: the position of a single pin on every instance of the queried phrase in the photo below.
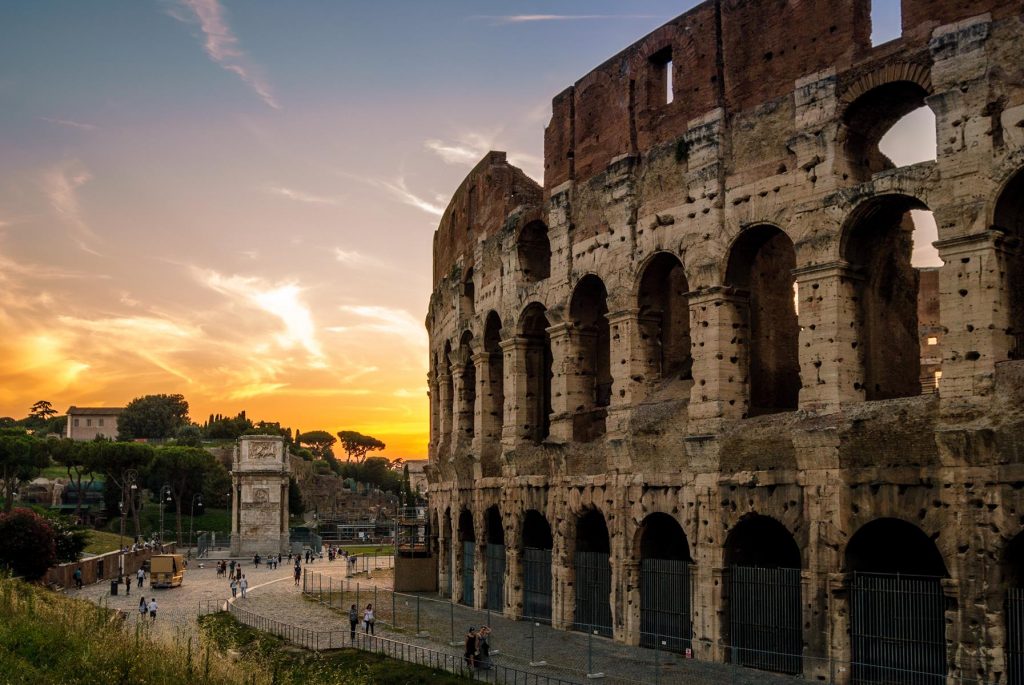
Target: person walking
(77, 575)
(140, 575)
(142, 607)
(353, 620)
(232, 566)
(244, 585)
(234, 588)
(368, 619)
(470, 647)
(152, 609)
(298, 573)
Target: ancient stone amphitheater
(697, 390)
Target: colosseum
(698, 388)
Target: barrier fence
(884, 620)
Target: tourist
(140, 575)
(298, 573)
(234, 588)
(152, 608)
(483, 647)
(244, 585)
(142, 607)
(368, 619)
(353, 619)
(470, 650)
(77, 575)
(232, 567)
(256, 560)
(127, 585)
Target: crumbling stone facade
(620, 370)
(259, 495)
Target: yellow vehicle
(166, 570)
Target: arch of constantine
(696, 388)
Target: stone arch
(1008, 216)
(592, 573)
(447, 393)
(664, 316)
(466, 402)
(665, 590)
(871, 106)
(492, 414)
(760, 268)
(467, 536)
(591, 345)
(877, 242)
(494, 556)
(897, 606)
(533, 249)
(533, 325)
(536, 543)
(763, 604)
(467, 294)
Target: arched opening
(593, 571)
(494, 393)
(447, 554)
(899, 331)
(447, 393)
(467, 398)
(537, 544)
(468, 538)
(1009, 217)
(495, 557)
(534, 250)
(467, 294)
(1013, 578)
(538, 373)
(760, 268)
(591, 339)
(665, 317)
(764, 628)
(665, 600)
(877, 111)
(897, 609)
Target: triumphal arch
(259, 495)
(705, 386)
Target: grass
(49, 638)
(210, 519)
(56, 471)
(379, 550)
(345, 666)
(101, 541)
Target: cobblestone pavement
(568, 654)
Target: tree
(69, 538)
(42, 410)
(118, 460)
(152, 417)
(319, 443)
(189, 436)
(296, 507)
(77, 458)
(28, 547)
(356, 445)
(21, 458)
(184, 469)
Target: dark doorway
(593, 572)
(495, 557)
(537, 543)
(468, 538)
(665, 590)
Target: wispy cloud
(353, 258)
(61, 184)
(399, 190)
(222, 47)
(532, 18)
(469, 148)
(385, 320)
(70, 123)
(301, 196)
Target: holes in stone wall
(665, 317)
(467, 294)
(534, 325)
(591, 340)
(534, 251)
(760, 267)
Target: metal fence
(1015, 635)
(665, 595)
(765, 618)
(537, 584)
(495, 556)
(468, 560)
(593, 593)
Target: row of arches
(893, 586)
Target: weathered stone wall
(759, 175)
(259, 501)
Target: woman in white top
(368, 619)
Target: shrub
(27, 544)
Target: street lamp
(163, 502)
(196, 497)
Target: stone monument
(259, 496)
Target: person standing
(140, 575)
(152, 609)
(234, 588)
(470, 647)
(368, 619)
(244, 585)
(77, 575)
(353, 619)
(127, 585)
(142, 607)
(232, 566)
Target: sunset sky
(235, 200)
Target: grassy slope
(100, 542)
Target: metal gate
(537, 584)
(898, 633)
(765, 626)
(1015, 636)
(593, 593)
(496, 577)
(468, 557)
(665, 604)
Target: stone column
(572, 387)
(444, 441)
(516, 411)
(488, 415)
(460, 419)
(831, 370)
(630, 367)
(433, 397)
(718, 332)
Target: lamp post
(164, 500)
(191, 516)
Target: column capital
(481, 358)
(838, 268)
(716, 293)
(623, 315)
(518, 342)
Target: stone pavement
(273, 595)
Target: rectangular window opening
(886, 21)
(933, 341)
(668, 82)
(659, 78)
(88, 422)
